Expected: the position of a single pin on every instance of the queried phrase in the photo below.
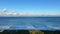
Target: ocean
(29, 23)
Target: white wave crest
(53, 27)
(5, 27)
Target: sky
(31, 6)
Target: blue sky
(32, 6)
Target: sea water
(30, 23)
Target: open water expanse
(30, 23)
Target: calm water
(26, 23)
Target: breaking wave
(58, 28)
(5, 27)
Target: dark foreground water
(30, 23)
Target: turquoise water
(30, 23)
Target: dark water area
(30, 23)
(27, 32)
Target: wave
(5, 27)
(58, 28)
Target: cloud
(4, 9)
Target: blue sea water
(30, 23)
